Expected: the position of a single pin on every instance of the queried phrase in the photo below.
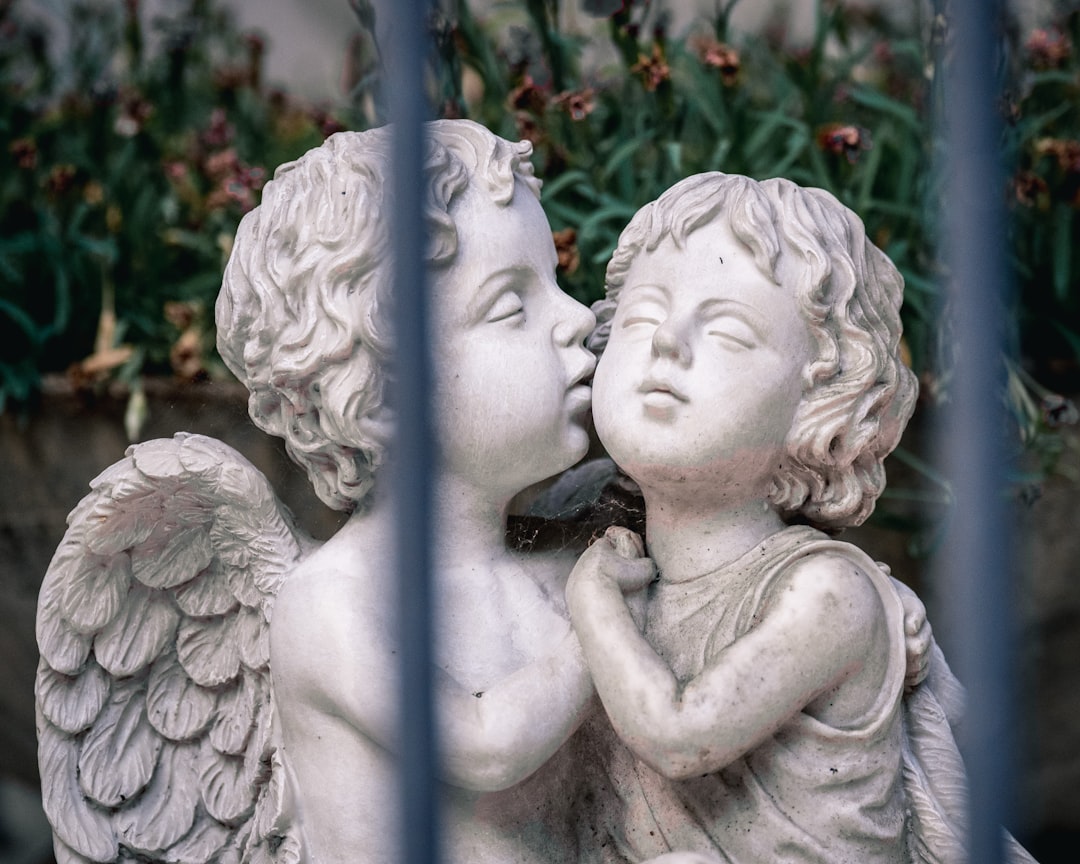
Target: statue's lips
(658, 390)
(661, 400)
(579, 398)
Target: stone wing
(153, 697)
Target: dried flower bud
(567, 249)
(578, 104)
(25, 153)
(219, 133)
(654, 70)
(59, 180)
(528, 96)
(528, 129)
(1031, 190)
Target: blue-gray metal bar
(978, 553)
(414, 440)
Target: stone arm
(341, 661)
(493, 739)
(817, 634)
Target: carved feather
(165, 812)
(176, 706)
(225, 787)
(208, 650)
(235, 717)
(157, 459)
(83, 827)
(124, 516)
(252, 638)
(133, 639)
(72, 703)
(243, 587)
(187, 553)
(121, 750)
(61, 646)
(200, 845)
(208, 594)
(96, 591)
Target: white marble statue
(751, 384)
(163, 731)
(215, 686)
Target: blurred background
(134, 135)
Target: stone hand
(620, 555)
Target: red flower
(722, 57)
(847, 141)
(1048, 49)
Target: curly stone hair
(860, 394)
(303, 316)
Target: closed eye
(733, 338)
(637, 320)
(508, 307)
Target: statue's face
(701, 378)
(511, 368)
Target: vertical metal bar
(414, 440)
(977, 554)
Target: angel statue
(215, 686)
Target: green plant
(128, 171)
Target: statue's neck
(468, 530)
(687, 539)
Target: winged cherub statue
(215, 686)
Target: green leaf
(1063, 221)
(103, 247)
(878, 101)
(923, 468)
(619, 213)
(1070, 336)
(24, 321)
(579, 180)
(621, 155)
